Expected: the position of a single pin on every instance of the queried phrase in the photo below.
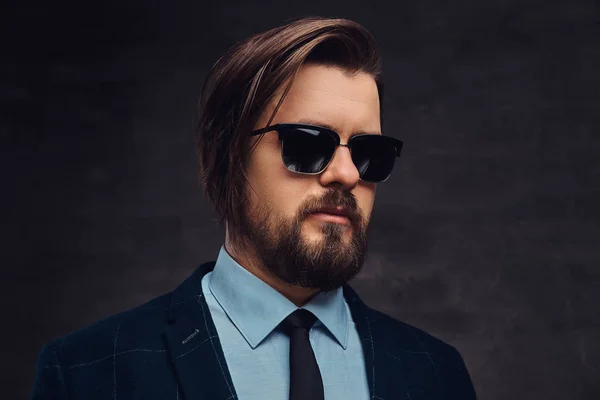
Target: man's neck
(248, 260)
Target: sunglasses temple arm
(262, 130)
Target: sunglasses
(308, 149)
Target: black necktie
(305, 378)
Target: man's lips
(333, 211)
(326, 216)
(340, 219)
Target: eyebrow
(309, 121)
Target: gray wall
(486, 235)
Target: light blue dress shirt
(247, 311)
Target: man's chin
(316, 235)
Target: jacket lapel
(193, 343)
(384, 381)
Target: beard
(325, 263)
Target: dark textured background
(486, 235)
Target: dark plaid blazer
(168, 348)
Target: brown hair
(245, 79)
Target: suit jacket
(168, 348)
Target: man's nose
(341, 169)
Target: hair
(246, 78)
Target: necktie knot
(300, 318)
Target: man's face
(292, 245)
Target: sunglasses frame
(281, 130)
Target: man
(290, 152)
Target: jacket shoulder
(429, 366)
(401, 338)
(136, 329)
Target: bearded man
(290, 151)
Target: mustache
(335, 202)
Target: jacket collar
(195, 349)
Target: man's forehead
(327, 80)
(331, 98)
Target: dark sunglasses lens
(374, 157)
(307, 150)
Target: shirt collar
(255, 308)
